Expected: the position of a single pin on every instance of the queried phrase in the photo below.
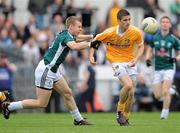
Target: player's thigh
(43, 95)
(166, 85)
(121, 69)
(157, 90)
(44, 77)
(62, 87)
(126, 81)
(168, 76)
(157, 77)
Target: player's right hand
(95, 44)
(148, 63)
(172, 60)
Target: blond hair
(71, 20)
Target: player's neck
(164, 33)
(121, 30)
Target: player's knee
(165, 92)
(131, 93)
(128, 86)
(43, 104)
(67, 94)
(157, 96)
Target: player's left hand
(92, 60)
(172, 60)
(132, 63)
(148, 62)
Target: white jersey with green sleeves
(163, 48)
(58, 50)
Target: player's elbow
(74, 47)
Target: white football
(149, 25)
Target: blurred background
(27, 28)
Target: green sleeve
(68, 38)
(176, 44)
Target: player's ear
(70, 26)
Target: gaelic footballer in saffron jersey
(124, 46)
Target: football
(149, 25)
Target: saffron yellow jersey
(120, 47)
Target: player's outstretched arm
(78, 45)
(148, 56)
(139, 53)
(83, 37)
(83, 45)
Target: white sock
(76, 115)
(172, 91)
(165, 113)
(15, 105)
(165, 110)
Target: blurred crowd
(25, 44)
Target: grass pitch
(103, 123)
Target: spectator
(86, 15)
(175, 10)
(152, 8)
(100, 57)
(9, 24)
(23, 33)
(42, 41)
(13, 35)
(6, 75)
(57, 25)
(57, 7)
(6, 8)
(2, 21)
(15, 52)
(31, 52)
(71, 9)
(38, 8)
(5, 40)
(87, 85)
(111, 19)
(143, 95)
(31, 25)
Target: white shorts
(44, 77)
(121, 69)
(162, 75)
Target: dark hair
(121, 13)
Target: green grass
(103, 123)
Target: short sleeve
(104, 35)
(176, 44)
(139, 39)
(69, 38)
